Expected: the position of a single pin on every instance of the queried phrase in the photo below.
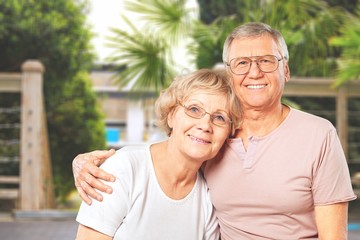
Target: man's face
(258, 90)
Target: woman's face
(199, 139)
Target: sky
(107, 13)
(103, 15)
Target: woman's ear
(170, 118)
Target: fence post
(36, 186)
(342, 117)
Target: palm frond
(168, 17)
(145, 57)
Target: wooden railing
(35, 185)
(320, 87)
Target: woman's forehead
(207, 98)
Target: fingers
(100, 174)
(86, 171)
(99, 156)
(86, 187)
(88, 191)
(91, 175)
(84, 196)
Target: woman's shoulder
(128, 157)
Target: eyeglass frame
(256, 61)
(212, 117)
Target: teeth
(256, 86)
(198, 140)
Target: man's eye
(242, 62)
(266, 60)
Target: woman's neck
(176, 175)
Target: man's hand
(87, 174)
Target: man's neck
(261, 122)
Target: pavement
(60, 225)
(38, 230)
(45, 225)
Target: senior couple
(274, 172)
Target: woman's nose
(205, 123)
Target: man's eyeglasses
(242, 65)
(217, 118)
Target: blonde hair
(255, 29)
(204, 80)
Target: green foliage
(307, 37)
(55, 33)
(210, 10)
(306, 25)
(76, 127)
(9, 133)
(210, 40)
(51, 30)
(349, 41)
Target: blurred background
(104, 63)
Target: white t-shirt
(139, 209)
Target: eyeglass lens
(267, 63)
(216, 118)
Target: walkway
(54, 225)
(65, 229)
(38, 230)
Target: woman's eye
(219, 118)
(194, 109)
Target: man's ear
(287, 72)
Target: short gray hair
(255, 29)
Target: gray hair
(255, 29)
(207, 81)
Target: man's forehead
(253, 46)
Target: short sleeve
(331, 178)
(107, 216)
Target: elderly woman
(159, 192)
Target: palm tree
(144, 56)
(146, 52)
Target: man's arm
(87, 174)
(332, 221)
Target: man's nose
(254, 69)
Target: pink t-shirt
(269, 191)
